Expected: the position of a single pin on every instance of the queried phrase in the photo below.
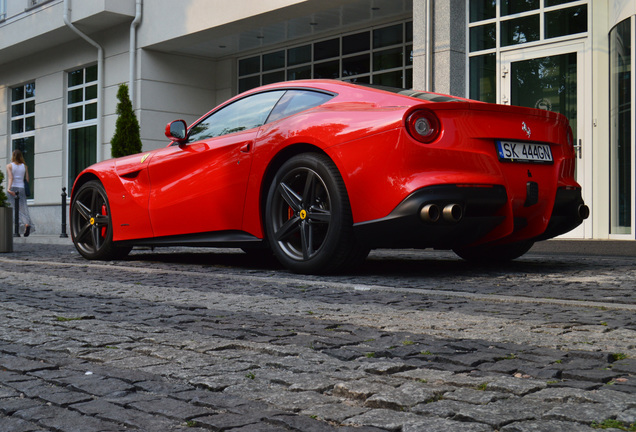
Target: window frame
(24, 134)
(499, 48)
(307, 68)
(73, 126)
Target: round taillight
(424, 126)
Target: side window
(296, 101)
(244, 114)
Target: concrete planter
(6, 229)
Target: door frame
(584, 111)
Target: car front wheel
(308, 217)
(91, 224)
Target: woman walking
(17, 174)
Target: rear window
(431, 97)
(295, 101)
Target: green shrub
(126, 140)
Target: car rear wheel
(91, 224)
(308, 217)
(497, 253)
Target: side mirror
(177, 131)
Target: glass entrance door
(551, 79)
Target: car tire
(91, 224)
(497, 253)
(308, 217)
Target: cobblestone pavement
(199, 340)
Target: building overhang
(42, 27)
(258, 31)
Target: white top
(18, 174)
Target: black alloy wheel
(308, 217)
(91, 224)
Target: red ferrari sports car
(319, 172)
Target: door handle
(579, 149)
(247, 147)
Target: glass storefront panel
(510, 7)
(621, 128)
(483, 72)
(520, 30)
(326, 49)
(82, 151)
(356, 43)
(357, 57)
(564, 22)
(275, 60)
(483, 37)
(482, 10)
(548, 83)
(27, 147)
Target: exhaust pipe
(430, 213)
(583, 211)
(453, 213)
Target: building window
(501, 25)
(621, 128)
(380, 56)
(23, 126)
(3, 10)
(82, 120)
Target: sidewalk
(568, 247)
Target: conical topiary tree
(126, 140)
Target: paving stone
(405, 396)
(628, 416)
(20, 364)
(10, 405)
(337, 412)
(516, 386)
(7, 392)
(444, 425)
(443, 408)
(62, 397)
(128, 417)
(385, 368)
(383, 419)
(296, 401)
(224, 421)
(62, 419)
(360, 389)
(261, 427)
(172, 408)
(476, 397)
(593, 375)
(501, 413)
(546, 426)
(625, 366)
(97, 385)
(582, 412)
(583, 385)
(9, 424)
(614, 398)
(561, 395)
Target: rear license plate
(511, 151)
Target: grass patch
(614, 424)
(80, 318)
(482, 386)
(618, 356)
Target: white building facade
(61, 62)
